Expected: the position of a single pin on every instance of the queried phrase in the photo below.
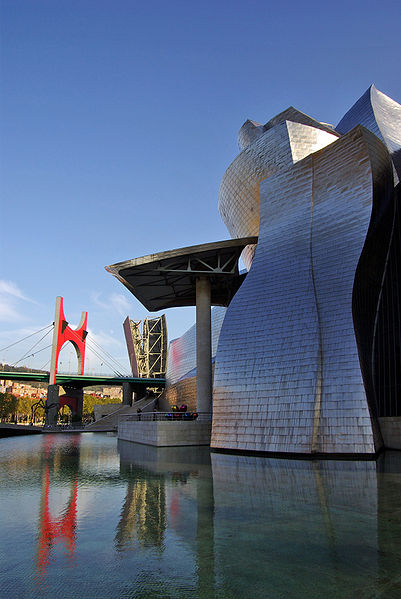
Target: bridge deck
(81, 380)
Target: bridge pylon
(61, 334)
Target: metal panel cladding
(280, 146)
(181, 362)
(381, 115)
(287, 374)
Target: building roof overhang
(168, 279)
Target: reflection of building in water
(143, 516)
(302, 528)
(170, 487)
(389, 523)
(256, 527)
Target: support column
(52, 405)
(128, 392)
(203, 346)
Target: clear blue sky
(119, 118)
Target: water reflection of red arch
(51, 531)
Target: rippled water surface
(83, 515)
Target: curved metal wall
(381, 115)
(239, 195)
(377, 301)
(305, 360)
(287, 373)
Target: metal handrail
(167, 417)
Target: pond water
(86, 515)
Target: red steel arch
(63, 333)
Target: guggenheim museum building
(300, 354)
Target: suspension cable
(34, 354)
(44, 365)
(110, 365)
(28, 353)
(27, 337)
(108, 359)
(90, 342)
(107, 354)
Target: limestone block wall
(165, 434)
(287, 373)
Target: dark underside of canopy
(168, 279)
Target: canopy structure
(168, 279)
(199, 275)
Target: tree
(8, 405)
(24, 408)
(92, 400)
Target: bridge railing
(167, 417)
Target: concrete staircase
(109, 423)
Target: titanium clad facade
(308, 359)
(381, 115)
(351, 235)
(287, 373)
(181, 362)
(387, 338)
(284, 144)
